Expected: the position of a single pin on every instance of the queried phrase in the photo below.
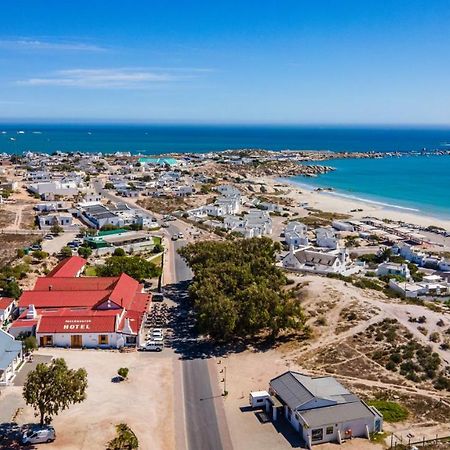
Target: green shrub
(392, 411)
(123, 372)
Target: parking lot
(143, 401)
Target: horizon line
(134, 122)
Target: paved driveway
(27, 367)
(58, 242)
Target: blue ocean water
(154, 139)
(420, 183)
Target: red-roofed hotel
(67, 310)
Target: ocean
(154, 139)
(419, 183)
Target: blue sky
(306, 62)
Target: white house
(10, 357)
(342, 226)
(390, 268)
(320, 409)
(325, 237)
(316, 260)
(431, 285)
(63, 220)
(295, 234)
(6, 308)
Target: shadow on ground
(10, 436)
(186, 341)
(281, 425)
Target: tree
(124, 440)
(12, 289)
(51, 388)
(119, 252)
(109, 186)
(84, 252)
(123, 372)
(56, 229)
(158, 248)
(66, 252)
(39, 254)
(238, 291)
(134, 266)
(29, 343)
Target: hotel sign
(77, 324)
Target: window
(102, 339)
(317, 435)
(330, 430)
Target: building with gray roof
(321, 409)
(10, 356)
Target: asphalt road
(202, 429)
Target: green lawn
(392, 412)
(157, 260)
(157, 240)
(90, 271)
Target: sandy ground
(144, 401)
(251, 370)
(327, 201)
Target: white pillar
(339, 436)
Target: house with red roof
(67, 310)
(6, 308)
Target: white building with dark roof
(316, 260)
(321, 409)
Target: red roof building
(72, 311)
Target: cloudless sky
(226, 61)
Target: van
(38, 435)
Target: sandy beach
(332, 202)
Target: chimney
(31, 313)
(127, 327)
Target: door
(46, 341)
(75, 340)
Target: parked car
(49, 237)
(151, 346)
(180, 236)
(36, 247)
(157, 297)
(165, 225)
(157, 332)
(39, 435)
(175, 237)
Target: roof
(91, 323)
(306, 256)
(74, 284)
(5, 302)
(9, 349)
(69, 267)
(297, 389)
(337, 413)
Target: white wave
(350, 196)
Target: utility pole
(162, 271)
(224, 380)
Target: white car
(39, 435)
(151, 346)
(156, 332)
(48, 237)
(180, 236)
